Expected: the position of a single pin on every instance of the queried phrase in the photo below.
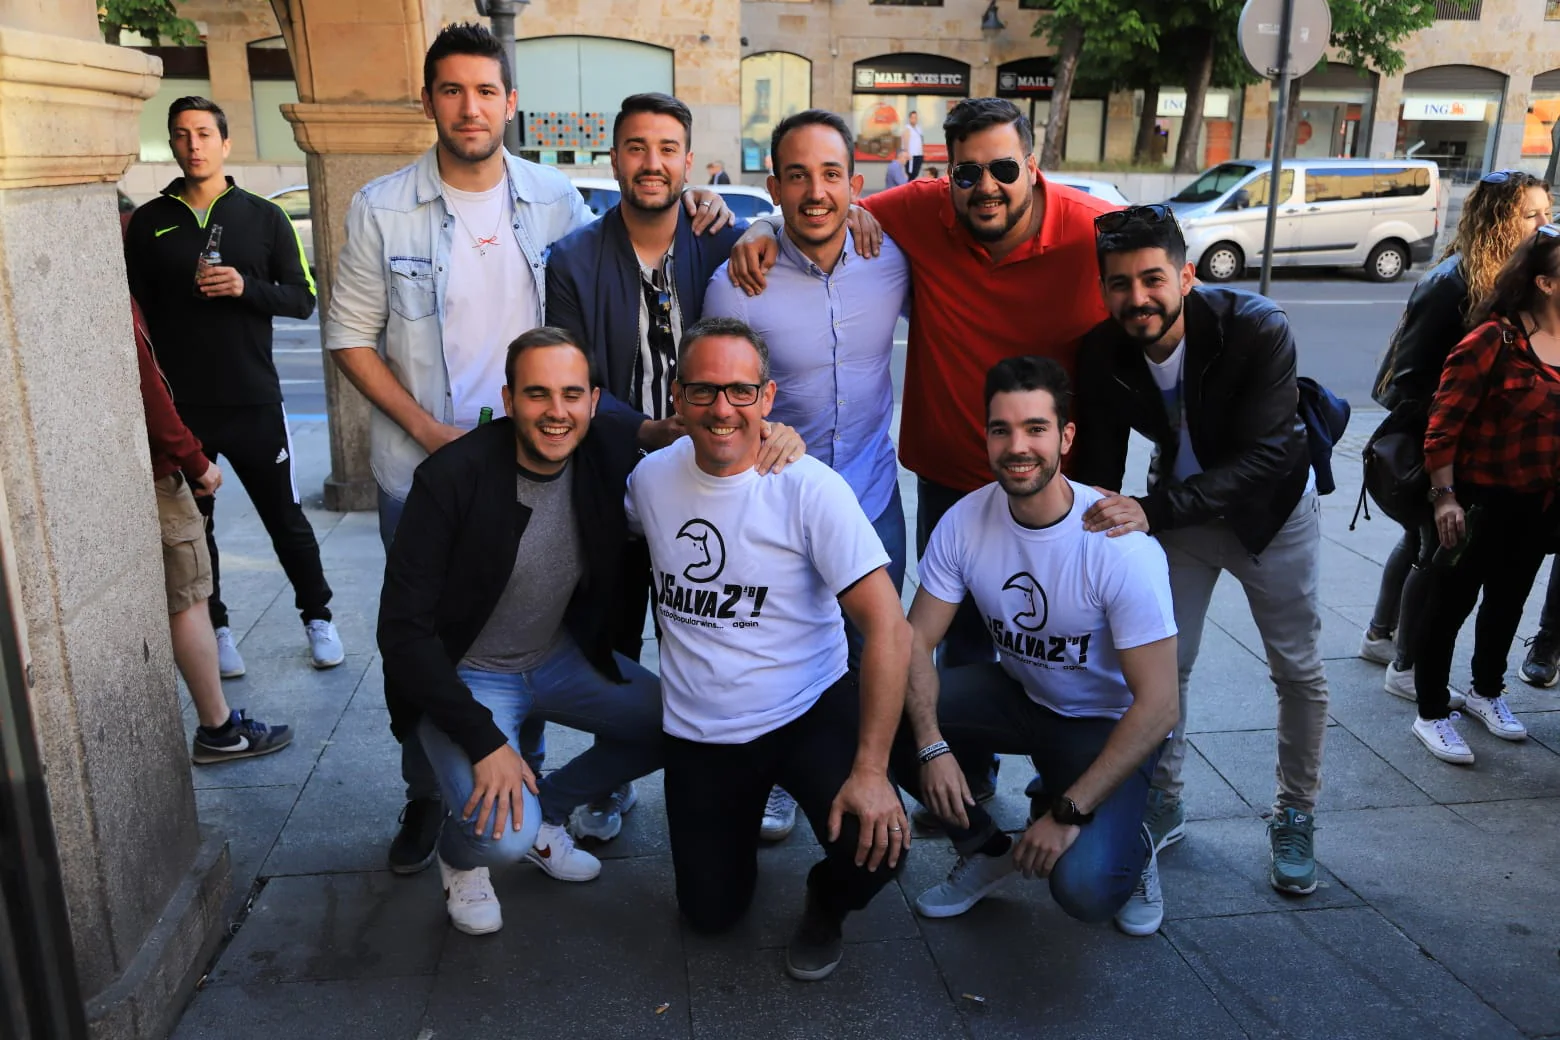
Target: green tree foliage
(157, 20)
(1116, 31)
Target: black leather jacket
(1240, 394)
(1432, 324)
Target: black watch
(1064, 810)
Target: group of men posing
(699, 418)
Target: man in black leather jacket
(1208, 374)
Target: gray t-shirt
(526, 622)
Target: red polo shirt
(968, 313)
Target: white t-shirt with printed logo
(747, 571)
(1058, 602)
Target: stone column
(227, 56)
(1384, 120)
(78, 528)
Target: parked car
(1104, 189)
(295, 203)
(746, 202)
(1381, 214)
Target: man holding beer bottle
(211, 265)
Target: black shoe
(240, 737)
(1542, 667)
(418, 839)
(817, 946)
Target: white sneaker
(1401, 684)
(324, 644)
(229, 664)
(1497, 718)
(556, 854)
(1144, 912)
(779, 815)
(1443, 740)
(602, 820)
(1377, 651)
(468, 896)
(970, 880)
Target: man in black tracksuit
(212, 332)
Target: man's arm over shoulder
(415, 579)
(1103, 433)
(903, 209)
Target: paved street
(1436, 916)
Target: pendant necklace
(478, 243)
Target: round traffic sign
(1260, 24)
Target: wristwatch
(1438, 492)
(1065, 810)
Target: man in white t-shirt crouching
(751, 574)
(1086, 680)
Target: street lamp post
(502, 15)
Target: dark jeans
(715, 796)
(913, 170)
(255, 445)
(1502, 559)
(416, 771)
(1405, 586)
(982, 706)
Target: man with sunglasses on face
(1208, 374)
(751, 576)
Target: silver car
(295, 203)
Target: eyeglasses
(968, 174)
(741, 395)
(663, 313)
(1158, 213)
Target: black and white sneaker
(240, 737)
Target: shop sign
(1029, 78)
(1444, 109)
(1172, 105)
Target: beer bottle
(485, 415)
(211, 256)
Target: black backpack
(1394, 458)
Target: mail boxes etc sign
(1444, 109)
(912, 74)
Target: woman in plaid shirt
(1493, 453)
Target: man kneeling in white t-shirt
(1086, 684)
(750, 577)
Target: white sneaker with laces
(1401, 684)
(970, 880)
(1497, 718)
(229, 664)
(1377, 650)
(468, 896)
(556, 854)
(602, 820)
(779, 815)
(1144, 912)
(324, 644)
(1440, 736)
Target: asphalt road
(1342, 324)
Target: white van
(1380, 214)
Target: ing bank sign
(1444, 109)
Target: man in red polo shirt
(1002, 264)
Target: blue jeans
(416, 771)
(890, 528)
(981, 706)
(564, 688)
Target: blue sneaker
(241, 737)
(1291, 833)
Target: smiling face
(1024, 445)
(651, 161)
(469, 106)
(725, 436)
(814, 186)
(551, 404)
(1144, 291)
(198, 145)
(990, 209)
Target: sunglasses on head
(968, 174)
(1549, 231)
(1158, 213)
(1499, 176)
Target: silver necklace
(477, 242)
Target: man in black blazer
(495, 609)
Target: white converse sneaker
(1443, 740)
(970, 880)
(1144, 912)
(556, 854)
(229, 664)
(1401, 684)
(468, 896)
(1377, 650)
(779, 815)
(1497, 718)
(324, 644)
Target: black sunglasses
(968, 174)
(1158, 213)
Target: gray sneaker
(325, 649)
(1165, 819)
(815, 950)
(229, 664)
(602, 819)
(968, 883)
(1144, 912)
(1291, 835)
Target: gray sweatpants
(1281, 586)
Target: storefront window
(1538, 131)
(1456, 132)
(570, 89)
(1330, 123)
(774, 85)
(886, 89)
(1028, 83)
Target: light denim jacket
(391, 285)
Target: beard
(1026, 487)
(992, 233)
(469, 151)
(632, 198)
(1150, 334)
